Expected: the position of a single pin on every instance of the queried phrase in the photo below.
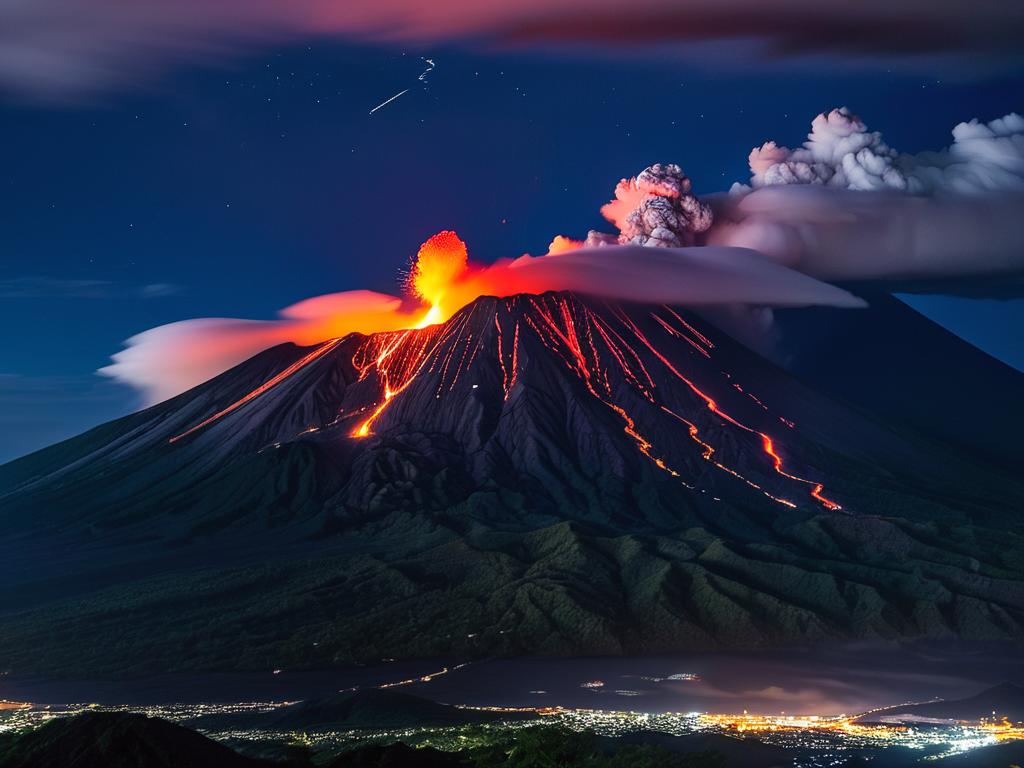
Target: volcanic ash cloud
(656, 208)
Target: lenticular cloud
(837, 234)
(165, 361)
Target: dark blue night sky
(235, 190)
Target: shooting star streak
(422, 79)
(385, 103)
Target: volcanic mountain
(539, 474)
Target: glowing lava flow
(299, 364)
(397, 357)
(508, 380)
(550, 334)
(766, 442)
(557, 330)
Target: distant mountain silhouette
(357, 709)
(117, 740)
(1003, 700)
(857, 356)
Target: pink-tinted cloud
(165, 361)
(59, 49)
(836, 234)
(169, 359)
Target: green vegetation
(124, 740)
(554, 747)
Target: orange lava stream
(766, 441)
(682, 336)
(569, 337)
(397, 363)
(268, 384)
(560, 334)
(508, 374)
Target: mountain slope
(855, 356)
(539, 474)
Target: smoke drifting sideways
(846, 206)
(165, 361)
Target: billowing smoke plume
(841, 152)
(984, 157)
(169, 359)
(656, 208)
(845, 206)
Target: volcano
(544, 474)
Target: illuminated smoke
(837, 234)
(562, 244)
(841, 152)
(845, 206)
(657, 208)
(165, 361)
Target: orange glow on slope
(397, 358)
(294, 367)
(559, 333)
(766, 442)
